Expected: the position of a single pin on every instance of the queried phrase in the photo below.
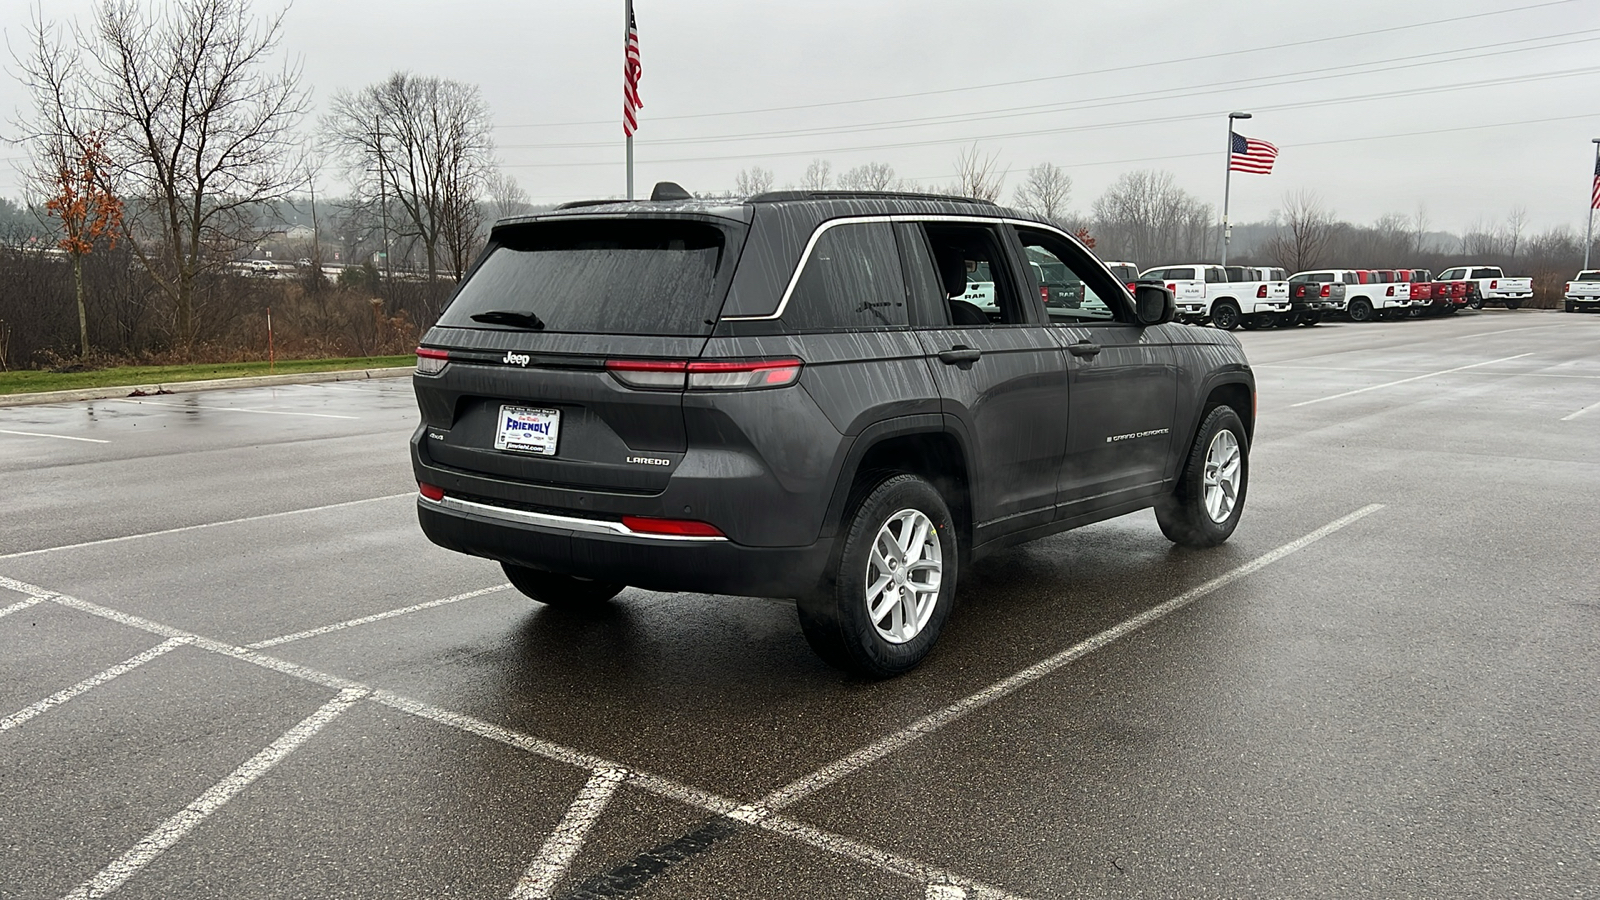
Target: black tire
(1183, 515)
(1572, 307)
(1513, 304)
(837, 621)
(564, 591)
(1360, 310)
(1310, 319)
(1474, 301)
(1254, 323)
(1225, 315)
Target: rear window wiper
(510, 317)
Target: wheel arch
(925, 445)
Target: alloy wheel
(904, 572)
(1221, 478)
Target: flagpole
(627, 22)
(1588, 233)
(1227, 184)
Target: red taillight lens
(649, 374)
(1133, 287)
(1173, 288)
(431, 491)
(1261, 292)
(743, 375)
(1390, 291)
(1494, 283)
(431, 362)
(671, 527)
(1044, 294)
(1327, 290)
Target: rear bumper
(582, 547)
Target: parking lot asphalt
(230, 665)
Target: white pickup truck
(1205, 293)
(1366, 298)
(1487, 284)
(1583, 292)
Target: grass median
(29, 381)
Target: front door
(1123, 381)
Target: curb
(183, 387)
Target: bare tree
(872, 176)
(1310, 228)
(423, 145)
(1516, 223)
(1419, 226)
(752, 181)
(818, 176)
(978, 175)
(198, 127)
(1045, 192)
(1144, 216)
(507, 197)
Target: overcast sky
(1360, 119)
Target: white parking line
(215, 797)
(88, 684)
(1463, 337)
(59, 437)
(260, 518)
(1580, 412)
(376, 617)
(556, 856)
(762, 813)
(916, 731)
(240, 409)
(1408, 380)
(1367, 371)
(19, 606)
(655, 784)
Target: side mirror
(1153, 304)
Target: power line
(1451, 56)
(1044, 78)
(1521, 79)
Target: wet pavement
(230, 665)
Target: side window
(1215, 275)
(851, 280)
(975, 276)
(1073, 289)
(1450, 274)
(1156, 275)
(929, 305)
(1486, 273)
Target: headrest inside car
(953, 270)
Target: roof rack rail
(779, 196)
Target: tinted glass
(1126, 273)
(1215, 275)
(989, 285)
(1589, 276)
(1485, 273)
(1073, 288)
(927, 295)
(598, 276)
(852, 279)
(1240, 273)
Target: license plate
(527, 430)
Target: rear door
(1123, 386)
(550, 339)
(1000, 374)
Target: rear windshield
(638, 276)
(1589, 276)
(1126, 273)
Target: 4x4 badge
(517, 359)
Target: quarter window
(851, 280)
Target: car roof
(829, 204)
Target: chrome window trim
(551, 520)
(811, 243)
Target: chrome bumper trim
(551, 520)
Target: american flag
(1594, 200)
(1251, 155)
(630, 79)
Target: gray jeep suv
(840, 398)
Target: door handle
(960, 356)
(1084, 348)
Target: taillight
(1494, 283)
(1132, 287)
(671, 527)
(430, 491)
(1569, 287)
(1261, 292)
(431, 362)
(649, 374)
(1173, 288)
(1327, 290)
(743, 375)
(1044, 294)
(705, 375)
(1390, 292)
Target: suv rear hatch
(544, 338)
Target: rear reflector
(673, 527)
(431, 362)
(430, 491)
